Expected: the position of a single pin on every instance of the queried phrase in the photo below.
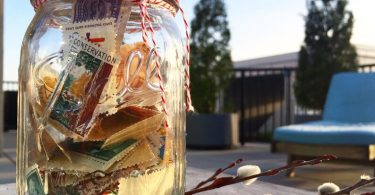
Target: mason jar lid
(171, 5)
(174, 3)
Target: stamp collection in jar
(102, 99)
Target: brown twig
(218, 172)
(368, 193)
(224, 181)
(359, 184)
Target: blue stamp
(85, 10)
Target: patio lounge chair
(347, 129)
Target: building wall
(366, 55)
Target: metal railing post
(288, 96)
(242, 105)
(1, 76)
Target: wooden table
(196, 175)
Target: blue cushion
(328, 132)
(351, 98)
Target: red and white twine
(37, 3)
(189, 106)
(145, 18)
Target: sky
(259, 27)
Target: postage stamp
(89, 156)
(138, 130)
(155, 182)
(101, 32)
(87, 72)
(100, 158)
(94, 184)
(119, 10)
(158, 141)
(94, 150)
(85, 10)
(34, 182)
(141, 154)
(106, 126)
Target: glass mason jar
(101, 92)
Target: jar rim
(172, 5)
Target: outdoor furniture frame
(347, 129)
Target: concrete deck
(307, 178)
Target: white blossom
(328, 188)
(365, 177)
(246, 171)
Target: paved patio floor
(307, 178)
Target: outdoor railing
(10, 89)
(10, 86)
(264, 100)
(367, 68)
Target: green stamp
(80, 93)
(34, 183)
(69, 104)
(95, 150)
(80, 85)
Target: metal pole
(242, 105)
(265, 103)
(274, 78)
(1, 76)
(282, 98)
(288, 95)
(257, 104)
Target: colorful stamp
(100, 32)
(96, 10)
(94, 149)
(88, 70)
(90, 156)
(85, 10)
(141, 154)
(137, 131)
(153, 182)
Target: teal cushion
(351, 98)
(328, 132)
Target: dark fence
(264, 100)
(10, 104)
(367, 68)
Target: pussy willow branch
(225, 181)
(368, 193)
(359, 184)
(217, 173)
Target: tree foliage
(211, 62)
(327, 50)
